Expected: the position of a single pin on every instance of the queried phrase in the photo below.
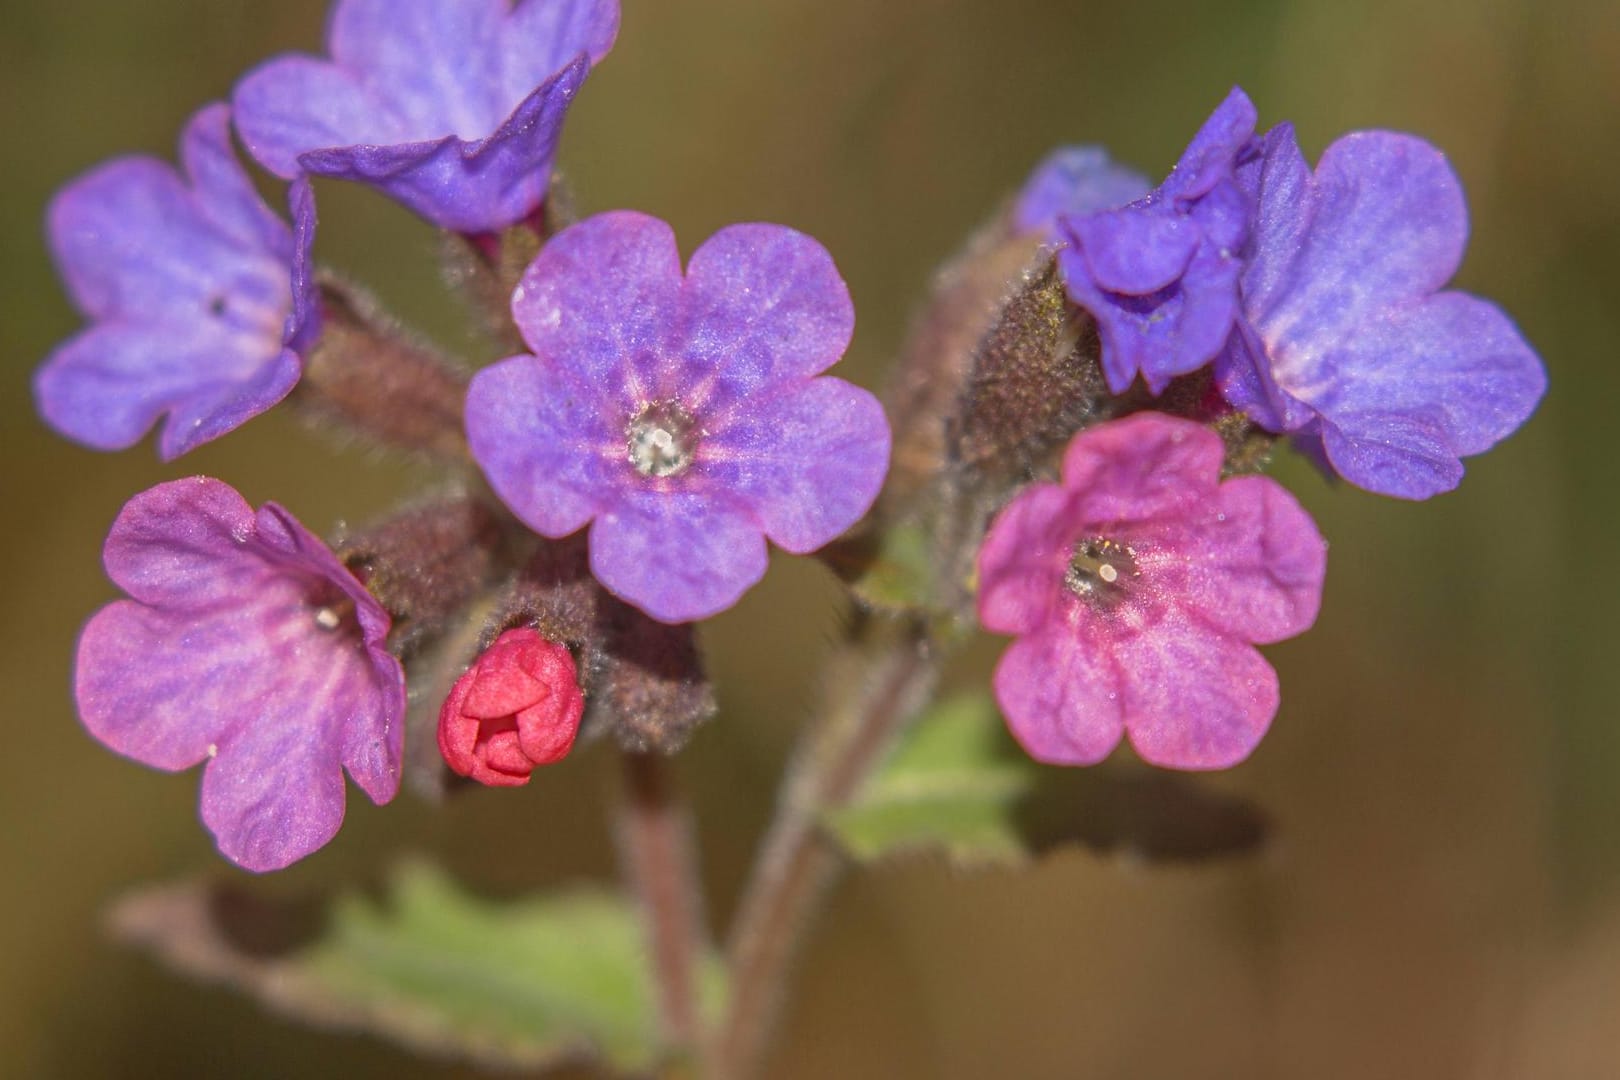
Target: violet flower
(681, 415)
(452, 107)
(1074, 180)
(245, 644)
(200, 298)
(1348, 340)
(1160, 275)
(1138, 588)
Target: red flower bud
(518, 706)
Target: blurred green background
(1442, 898)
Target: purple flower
(452, 107)
(1347, 339)
(1160, 275)
(246, 644)
(1137, 588)
(681, 415)
(200, 297)
(1074, 180)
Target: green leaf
(958, 784)
(531, 983)
(889, 571)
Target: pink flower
(1137, 588)
(518, 706)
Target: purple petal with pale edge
(1061, 696)
(598, 302)
(107, 386)
(678, 556)
(1386, 226)
(468, 187)
(764, 304)
(808, 463)
(433, 64)
(1248, 562)
(1243, 373)
(224, 191)
(1208, 159)
(1145, 467)
(1075, 180)
(543, 35)
(1138, 250)
(1023, 560)
(545, 442)
(292, 104)
(131, 241)
(220, 655)
(1194, 699)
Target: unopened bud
(517, 707)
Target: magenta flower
(200, 298)
(1348, 340)
(1074, 180)
(1137, 589)
(245, 644)
(681, 416)
(452, 107)
(1160, 275)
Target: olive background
(1442, 894)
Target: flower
(201, 298)
(1160, 275)
(1137, 588)
(452, 107)
(245, 644)
(1347, 339)
(518, 706)
(681, 416)
(1074, 180)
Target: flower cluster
(1319, 298)
(620, 480)
(683, 414)
(1138, 586)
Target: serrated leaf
(958, 784)
(532, 983)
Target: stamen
(661, 439)
(1100, 570)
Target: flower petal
(763, 304)
(678, 556)
(809, 462)
(1209, 157)
(544, 441)
(598, 301)
(468, 187)
(1386, 227)
(179, 546)
(416, 55)
(1194, 698)
(106, 386)
(224, 190)
(1075, 180)
(542, 36)
(1023, 559)
(1143, 467)
(294, 103)
(1249, 562)
(1061, 696)
(274, 793)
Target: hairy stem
(882, 685)
(660, 865)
